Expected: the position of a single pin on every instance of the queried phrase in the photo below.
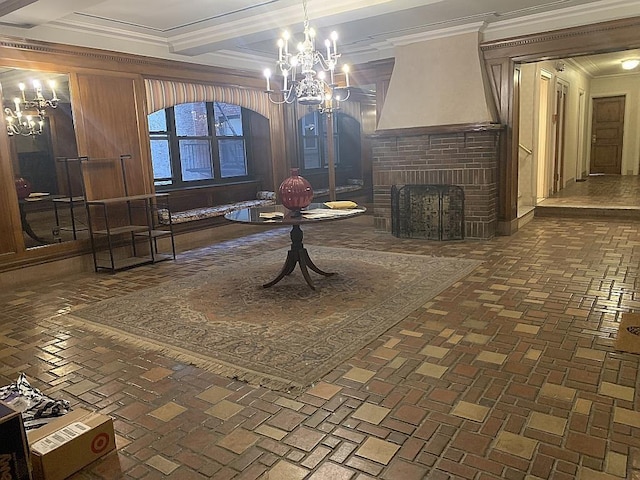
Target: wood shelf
(124, 229)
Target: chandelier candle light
(28, 116)
(313, 87)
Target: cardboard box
(69, 443)
(14, 453)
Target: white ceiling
(607, 63)
(242, 33)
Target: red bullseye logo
(99, 443)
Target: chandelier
(27, 118)
(304, 73)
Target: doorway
(607, 135)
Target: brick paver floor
(511, 373)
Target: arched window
(199, 143)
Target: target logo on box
(100, 442)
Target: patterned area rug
(285, 337)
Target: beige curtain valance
(164, 93)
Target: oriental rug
(285, 337)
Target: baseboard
(506, 228)
(48, 271)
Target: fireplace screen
(434, 212)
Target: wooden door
(607, 134)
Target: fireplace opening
(433, 212)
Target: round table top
(278, 214)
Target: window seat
(321, 192)
(263, 198)
(353, 185)
(205, 216)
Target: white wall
(628, 85)
(526, 160)
(437, 82)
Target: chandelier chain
(306, 15)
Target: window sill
(207, 186)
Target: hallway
(608, 195)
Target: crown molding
(475, 27)
(568, 17)
(589, 31)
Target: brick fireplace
(466, 156)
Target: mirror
(37, 108)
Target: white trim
(593, 12)
(474, 27)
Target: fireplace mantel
(437, 129)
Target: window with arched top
(199, 143)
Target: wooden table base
(297, 254)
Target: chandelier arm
(280, 102)
(340, 99)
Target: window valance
(165, 93)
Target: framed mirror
(37, 108)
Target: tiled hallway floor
(511, 373)
(613, 191)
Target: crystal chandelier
(27, 118)
(304, 74)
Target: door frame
(560, 132)
(500, 59)
(581, 157)
(624, 129)
(542, 132)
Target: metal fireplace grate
(434, 212)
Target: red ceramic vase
(295, 192)
(23, 187)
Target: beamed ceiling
(243, 33)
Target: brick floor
(512, 374)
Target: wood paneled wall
(109, 111)
(108, 125)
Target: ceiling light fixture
(27, 118)
(313, 87)
(630, 64)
